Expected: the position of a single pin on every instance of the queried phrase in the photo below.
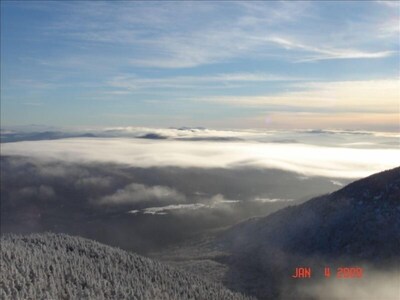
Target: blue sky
(273, 65)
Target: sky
(267, 65)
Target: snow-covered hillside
(56, 266)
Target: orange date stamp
(341, 272)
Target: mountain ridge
(358, 225)
(366, 192)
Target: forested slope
(357, 226)
(57, 266)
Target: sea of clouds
(338, 154)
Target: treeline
(57, 266)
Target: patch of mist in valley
(94, 199)
(375, 284)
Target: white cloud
(390, 4)
(309, 160)
(171, 36)
(338, 183)
(327, 53)
(163, 210)
(135, 193)
(130, 82)
(377, 284)
(373, 95)
(270, 200)
(336, 118)
(217, 201)
(175, 133)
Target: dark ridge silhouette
(285, 141)
(153, 136)
(184, 128)
(211, 139)
(39, 136)
(334, 223)
(357, 225)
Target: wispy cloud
(224, 80)
(136, 193)
(163, 210)
(167, 36)
(216, 202)
(349, 96)
(157, 59)
(391, 4)
(361, 120)
(269, 200)
(313, 53)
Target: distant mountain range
(359, 225)
(57, 266)
(38, 136)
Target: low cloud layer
(337, 138)
(268, 200)
(163, 210)
(140, 209)
(217, 202)
(338, 162)
(129, 187)
(377, 284)
(136, 193)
